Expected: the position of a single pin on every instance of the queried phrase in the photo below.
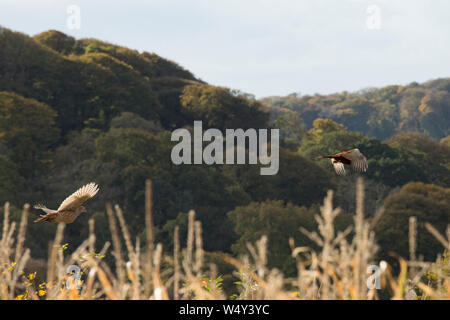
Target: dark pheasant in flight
(71, 207)
(352, 157)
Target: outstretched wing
(43, 208)
(338, 167)
(357, 159)
(77, 198)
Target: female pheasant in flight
(71, 207)
(351, 157)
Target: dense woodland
(75, 111)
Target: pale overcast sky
(265, 47)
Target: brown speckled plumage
(71, 207)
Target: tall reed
(340, 269)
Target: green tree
(292, 128)
(445, 141)
(279, 222)
(392, 166)
(435, 155)
(428, 203)
(435, 114)
(354, 112)
(321, 127)
(56, 40)
(132, 120)
(11, 182)
(383, 120)
(27, 129)
(134, 155)
(409, 114)
(299, 180)
(220, 108)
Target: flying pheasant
(71, 207)
(351, 157)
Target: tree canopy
(429, 204)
